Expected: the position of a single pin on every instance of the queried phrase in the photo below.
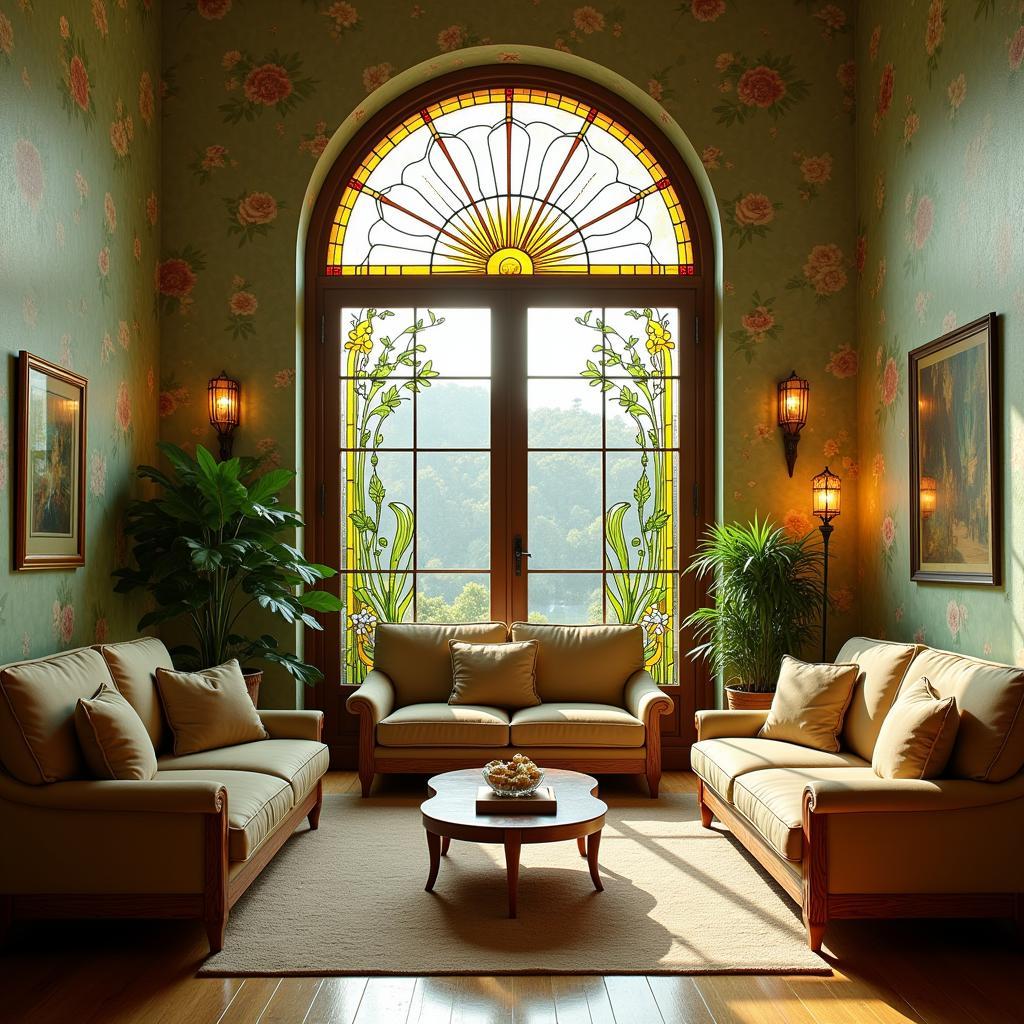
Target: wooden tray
(542, 801)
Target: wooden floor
(116, 972)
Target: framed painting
(50, 493)
(955, 493)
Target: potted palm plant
(209, 547)
(766, 595)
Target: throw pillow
(495, 675)
(208, 709)
(114, 739)
(916, 739)
(810, 703)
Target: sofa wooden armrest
(646, 700)
(293, 725)
(372, 702)
(714, 725)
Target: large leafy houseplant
(209, 548)
(766, 595)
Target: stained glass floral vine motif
(509, 181)
(640, 556)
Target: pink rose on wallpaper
(101, 631)
(888, 532)
(910, 125)
(760, 87)
(860, 253)
(890, 382)
(103, 261)
(81, 186)
(796, 523)
(214, 157)
(99, 16)
(242, 304)
(109, 213)
(137, 249)
(873, 43)
(147, 105)
(885, 88)
(824, 269)
(655, 89)
(230, 59)
(758, 321)
(586, 19)
(6, 34)
(124, 335)
(724, 61)
(846, 75)
(1016, 55)
(167, 404)
(816, 170)
(257, 208)
(152, 209)
(284, 378)
(754, 208)
(119, 137)
(832, 17)
(711, 157)
(268, 84)
(707, 10)
(98, 475)
(924, 219)
(956, 618)
(957, 92)
(123, 408)
(935, 29)
(175, 277)
(65, 27)
(28, 170)
(843, 599)
(843, 363)
(949, 322)
(63, 621)
(830, 449)
(78, 82)
(376, 75)
(213, 10)
(452, 37)
(878, 467)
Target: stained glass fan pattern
(508, 182)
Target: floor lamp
(826, 493)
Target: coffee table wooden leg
(434, 846)
(446, 841)
(593, 843)
(581, 842)
(513, 845)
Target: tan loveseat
(600, 709)
(187, 843)
(845, 843)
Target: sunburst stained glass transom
(510, 181)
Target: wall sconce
(793, 395)
(225, 402)
(929, 497)
(826, 503)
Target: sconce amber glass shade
(826, 493)
(793, 395)
(929, 496)
(224, 393)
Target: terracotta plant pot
(747, 700)
(253, 677)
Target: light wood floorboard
(955, 972)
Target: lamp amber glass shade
(224, 394)
(929, 496)
(793, 393)
(827, 493)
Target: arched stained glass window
(510, 181)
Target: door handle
(519, 554)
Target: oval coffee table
(450, 813)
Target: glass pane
(377, 343)
(641, 341)
(641, 502)
(375, 416)
(649, 598)
(370, 598)
(556, 345)
(453, 597)
(461, 345)
(646, 407)
(454, 414)
(563, 414)
(376, 510)
(453, 516)
(564, 525)
(569, 598)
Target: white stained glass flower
(655, 622)
(364, 622)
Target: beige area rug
(349, 899)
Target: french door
(497, 452)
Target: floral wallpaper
(940, 243)
(765, 92)
(79, 186)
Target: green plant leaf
(321, 601)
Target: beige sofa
(187, 843)
(600, 709)
(845, 843)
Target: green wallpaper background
(79, 241)
(764, 93)
(941, 225)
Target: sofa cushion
(498, 675)
(990, 698)
(209, 709)
(257, 804)
(810, 703)
(881, 668)
(114, 741)
(133, 668)
(576, 724)
(773, 802)
(444, 725)
(299, 762)
(38, 743)
(416, 658)
(584, 663)
(720, 762)
(917, 736)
